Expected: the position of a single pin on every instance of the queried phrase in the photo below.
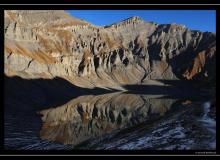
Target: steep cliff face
(52, 43)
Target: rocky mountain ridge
(48, 44)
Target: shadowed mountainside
(39, 93)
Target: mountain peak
(130, 20)
(134, 19)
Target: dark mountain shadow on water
(170, 89)
(37, 94)
(42, 93)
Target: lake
(119, 120)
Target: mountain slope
(52, 43)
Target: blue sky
(204, 20)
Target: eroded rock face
(128, 52)
(89, 117)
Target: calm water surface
(113, 121)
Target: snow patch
(207, 121)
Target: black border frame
(111, 152)
(109, 2)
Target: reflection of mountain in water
(101, 119)
(91, 116)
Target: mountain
(51, 43)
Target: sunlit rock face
(89, 117)
(53, 43)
